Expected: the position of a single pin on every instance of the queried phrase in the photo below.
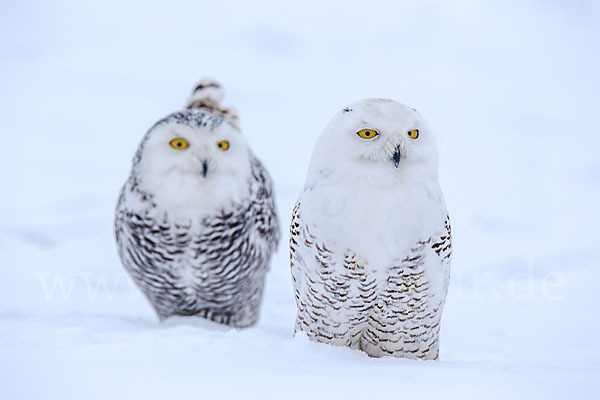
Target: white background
(510, 87)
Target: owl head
(195, 160)
(375, 139)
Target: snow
(511, 88)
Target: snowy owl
(196, 223)
(370, 244)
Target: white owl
(196, 223)
(370, 244)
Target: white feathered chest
(379, 284)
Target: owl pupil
(367, 133)
(178, 144)
(220, 144)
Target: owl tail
(207, 95)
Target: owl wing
(442, 245)
(329, 287)
(263, 206)
(148, 249)
(294, 241)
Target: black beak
(204, 168)
(397, 156)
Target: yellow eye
(413, 133)
(367, 133)
(179, 143)
(223, 145)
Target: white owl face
(375, 136)
(192, 159)
(205, 153)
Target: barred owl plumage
(370, 245)
(196, 223)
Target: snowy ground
(512, 88)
